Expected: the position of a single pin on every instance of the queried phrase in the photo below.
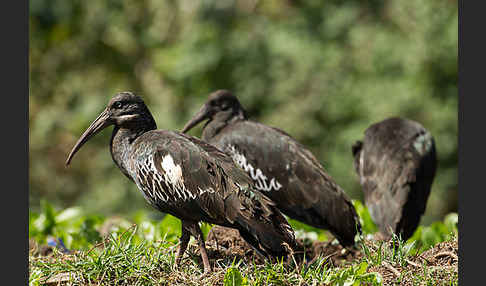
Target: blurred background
(322, 71)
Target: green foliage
(75, 228)
(170, 226)
(80, 230)
(428, 236)
(385, 252)
(367, 224)
(354, 276)
(233, 277)
(118, 260)
(305, 231)
(397, 253)
(141, 251)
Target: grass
(119, 261)
(141, 251)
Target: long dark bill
(201, 115)
(98, 124)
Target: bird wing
(269, 154)
(237, 189)
(196, 174)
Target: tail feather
(258, 220)
(270, 235)
(263, 226)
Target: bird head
(124, 110)
(220, 104)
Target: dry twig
(391, 268)
(446, 253)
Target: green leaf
(46, 221)
(148, 230)
(374, 278)
(408, 247)
(205, 228)
(69, 214)
(367, 224)
(362, 268)
(33, 229)
(451, 220)
(170, 227)
(233, 277)
(304, 231)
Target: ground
(226, 243)
(327, 264)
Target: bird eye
(117, 104)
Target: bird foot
(206, 273)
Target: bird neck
(122, 140)
(222, 119)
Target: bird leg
(197, 233)
(217, 243)
(183, 241)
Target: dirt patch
(443, 254)
(439, 263)
(226, 243)
(338, 255)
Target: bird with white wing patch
(189, 179)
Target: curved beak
(98, 124)
(203, 114)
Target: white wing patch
(173, 171)
(173, 176)
(256, 174)
(165, 187)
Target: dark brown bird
(280, 167)
(189, 179)
(396, 164)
